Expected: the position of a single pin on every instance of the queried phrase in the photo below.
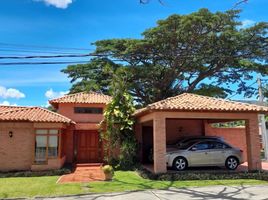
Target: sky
(77, 24)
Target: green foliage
(229, 124)
(36, 173)
(265, 91)
(204, 175)
(202, 52)
(93, 76)
(119, 123)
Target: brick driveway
(84, 173)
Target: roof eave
(150, 110)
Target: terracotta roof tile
(82, 97)
(9, 108)
(194, 102)
(31, 114)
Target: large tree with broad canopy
(202, 52)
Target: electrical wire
(35, 51)
(45, 47)
(43, 63)
(46, 56)
(238, 93)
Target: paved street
(196, 193)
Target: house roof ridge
(34, 116)
(196, 102)
(226, 100)
(82, 97)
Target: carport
(196, 113)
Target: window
(202, 146)
(46, 144)
(88, 110)
(219, 145)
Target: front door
(88, 147)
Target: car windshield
(185, 146)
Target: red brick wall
(234, 136)
(67, 109)
(177, 128)
(16, 153)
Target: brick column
(159, 144)
(138, 134)
(253, 143)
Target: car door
(217, 153)
(198, 154)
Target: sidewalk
(196, 193)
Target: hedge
(203, 175)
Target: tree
(93, 76)
(201, 52)
(265, 91)
(118, 125)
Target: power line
(47, 62)
(45, 47)
(42, 63)
(34, 51)
(92, 54)
(41, 56)
(238, 93)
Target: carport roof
(194, 102)
(31, 114)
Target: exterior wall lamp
(10, 133)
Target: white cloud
(50, 94)
(10, 93)
(57, 3)
(247, 23)
(45, 105)
(7, 103)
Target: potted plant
(108, 171)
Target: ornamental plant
(120, 145)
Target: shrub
(203, 175)
(108, 169)
(57, 172)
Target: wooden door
(88, 147)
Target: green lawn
(46, 186)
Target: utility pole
(262, 121)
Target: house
(33, 138)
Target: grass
(126, 181)
(36, 186)
(123, 181)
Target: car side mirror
(193, 149)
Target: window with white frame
(46, 144)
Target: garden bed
(203, 175)
(58, 172)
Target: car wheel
(231, 163)
(180, 163)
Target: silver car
(204, 153)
